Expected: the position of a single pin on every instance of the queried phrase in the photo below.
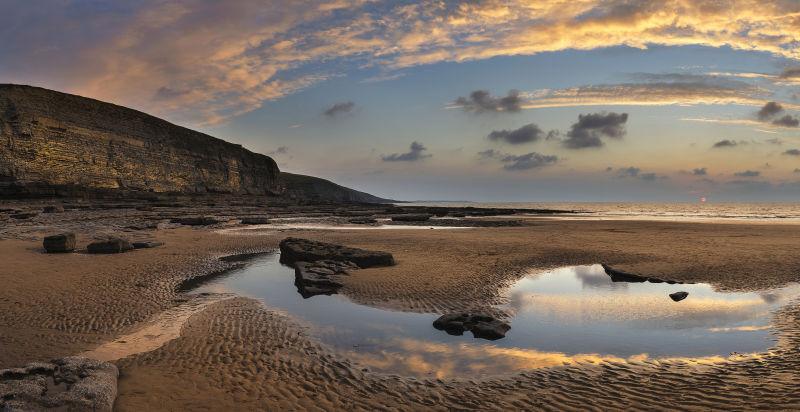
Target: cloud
(792, 152)
(279, 150)
(636, 173)
(528, 161)
(790, 73)
(414, 154)
(701, 171)
(590, 128)
(769, 110)
(724, 143)
(787, 121)
(205, 62)
(525, 134)
(339, 108)
(481, 101)
(748, 173)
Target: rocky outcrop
(412, 217)
(68, 384)
(481, 326)
(302, 250)
(54, 143)
(319, 266)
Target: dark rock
(321, 277)
(620, 276)
(112, 245)
(481, 326)
(362, 221)
(61, 243)
(146, 244)
(255, 220)
(53, 209)
(412, 217)
(303, 250)
(196, 220)
(678, 296)
(67, 384)
(24, 215)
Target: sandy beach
(238, 354)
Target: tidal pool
(565, 316)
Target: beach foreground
(234, 353)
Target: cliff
(316, 189)
(53, 143)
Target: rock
(111, 245)
(196, 220)
(678, 296)
(24, 215)
(69, 384)
(53, 209)
(303, 250)
(412, 217)
(362, 221)
(146, 244)
(481, 326)
(321, 277)
(255, 220)
(620, 276)
(61, 243)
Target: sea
(781, 213)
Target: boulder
(146, 244)
(196, 220)
(303, 250)
(60, 243)
(255, 220)
(412, 217)
(481, 326)
(68, 384)
(678, 296)
(111, 245)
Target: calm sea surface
(730, 212)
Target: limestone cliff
(53, 143)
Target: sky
(550, 100)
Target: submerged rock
(412, 217)
(69, 384)
(481, 326)
(303, 250)
(678, 296)
(60, 243)
(320, 277)
(111, 245)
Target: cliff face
(54, 143)
(316, 189)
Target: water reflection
(565, 316)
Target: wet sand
(237, 354)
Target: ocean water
(708, 212)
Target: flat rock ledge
(319, 266)
(66, 384)
(481, 326)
